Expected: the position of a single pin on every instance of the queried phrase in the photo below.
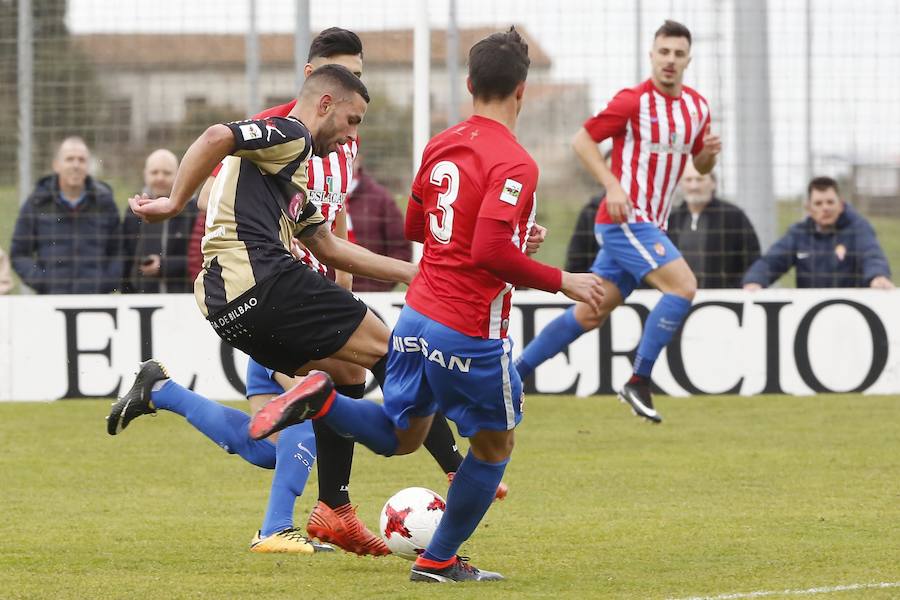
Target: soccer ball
(409, 519)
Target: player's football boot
(502, 488)
(638, 396)
(136, 401)
(287, 541)
(457, 571)
(303, 401)
(341, 526)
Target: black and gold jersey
(258, 202)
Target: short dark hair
(335, 41)
(673, 29)
(497, 64)
(337, 75)
(821, 184)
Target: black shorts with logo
(289, 319)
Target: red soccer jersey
(329, 180)
(474, 169)
(652, 136)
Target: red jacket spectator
(195, 256)
(377, 225)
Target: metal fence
(796, 88)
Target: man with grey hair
(155, 254)
(66, 238)
(715, 237)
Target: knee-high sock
(441, 444)
(662, 323)
(335, 456)
(559, 333)
(364, 421)
(225, 426)
(469, 498)
(296, 453)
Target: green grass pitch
(729, 495)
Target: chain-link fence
(129, 77)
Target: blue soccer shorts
(433, 367)
(261, 380)
(629, 251)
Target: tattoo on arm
(317, 234)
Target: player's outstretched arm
(617, 202)
(346, 256)
(493, 251)
(342, 278)
(201, 158)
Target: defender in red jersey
(655, 126)
(472, 205)
(475, 179)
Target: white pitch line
(809, 592)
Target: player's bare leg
(367, 346)
(412, 438)
(589, 318)
(675, 278)
(678, 284)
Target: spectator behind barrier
(833, 247)
(66, 238)
(6, 281)
(376, 224)
(583, 246)
(156, 254)
(715, 237)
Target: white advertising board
(772, 341)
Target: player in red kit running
(655, 127)
(472, 204)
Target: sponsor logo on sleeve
(296, 205)
(250, 131)
(271, 127)
(511, 191)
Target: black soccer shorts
(289, 319)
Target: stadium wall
(772, 341)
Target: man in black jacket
(714, 236)
(155, 254)
(66, 239)
(583, 246)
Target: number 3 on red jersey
(444, 173)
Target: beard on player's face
(327, 136)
